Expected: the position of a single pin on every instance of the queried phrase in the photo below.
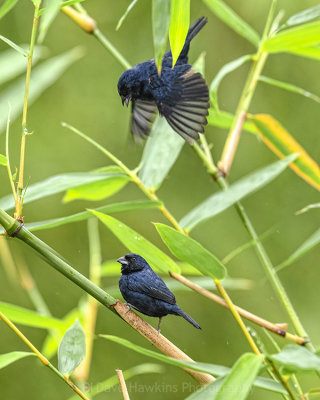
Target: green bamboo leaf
(56, 184)
(221, 201)
(160, 28)
(240, 378)
(31, 318)
(199, 64)
(179, 25)
(124, 16)
(6, 7)
(70, 3)
(108, 384)
(306, 246)
(42, 77)
(72, 349)
(192, 252)
(223, 119)
(84, 215)
(12, 64)
(295, 358)
(303, 16)
(3, 160)
(225, 70)
(230, 18)
(301, 36)
(51, 9)
(207, 391)
(98, 190)
(289, 87)
(310, 52)
(15, 46)
(216, 370)
(160, 153)
(9, 358)
(138, 244)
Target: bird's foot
(128, 306)
(159, 330)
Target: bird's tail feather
(196, 27)
(188, 318)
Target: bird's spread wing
(153, 287)
(142, 115)
(186, 104)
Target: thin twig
(123, 386)
(41, 357)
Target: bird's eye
(133, 259)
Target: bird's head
(131, 263)
(129, 86)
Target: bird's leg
(129, 307)
(160, 318)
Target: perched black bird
(180, 94)
(145, 291)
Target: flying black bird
(180, 94)
(145, 291)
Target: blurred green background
(86, 97)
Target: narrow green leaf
(3, 160)
(199, 64)
(208, 391)
(310, 52)
(72, 349)
(124, 16)
(6, 7)
(99, 190)
(42, 77)
(160, 28)
(108, 384)
(12, 64)
(51, 9)
(306, 246)
(221, 201)
(300, 36)
(70, 3)
(240, 378)
(225, 70)
(138, 244)
(295, 358)
(179, 25)
(160, 153)
(304, 16)
(84, 215)
(289, 87)
(230, 18)
(31, 318)
(216, 370)
(9, 358)
(14, 46)
(55, 184)
(223, 119)
(192, 252)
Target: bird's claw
(128, 306)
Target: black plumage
(145, 291)
(180, 94)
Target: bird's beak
(122, 261)
(126, 99)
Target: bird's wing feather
(153, 287)
(142, 115)
(186, 103)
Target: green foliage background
(86, 97)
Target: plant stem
(41, 356)
(56, 261)
(19, 200)
(275, 328)
(133, 175)
(8, 157)
(123, 385)
(237, 317)
(233, 138)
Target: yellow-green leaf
(160, 28)
(301, 36)
(138, 244)
(283, 144)
(179, 25)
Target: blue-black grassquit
(145, 291)
(180, 94)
